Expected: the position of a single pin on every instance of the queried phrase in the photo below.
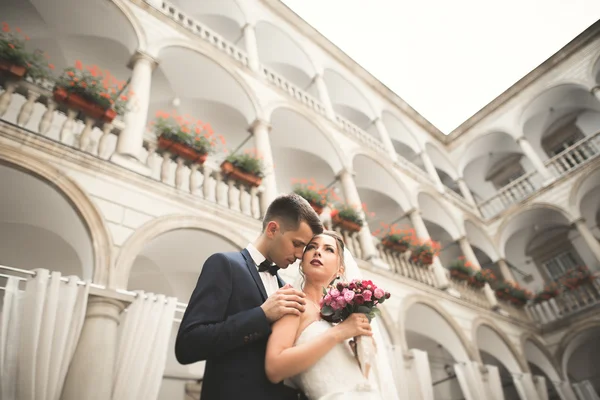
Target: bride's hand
(356, 324)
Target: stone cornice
(306, 29)
(557, 58)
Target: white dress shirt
(269, 281)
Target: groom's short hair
(290, 210)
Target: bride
(311, 352)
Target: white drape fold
(9, 339)
(494, 382)
(143, 345)
(46, 321)
(530, 388)
(422, 372)
(520, 386)
(460, 369)
(540, 386)
(585, 391)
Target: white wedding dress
(335, 376)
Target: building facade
(514, 190)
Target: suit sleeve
(206, 331)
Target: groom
(237, 298)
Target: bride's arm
(284, 360)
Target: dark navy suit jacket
(224, 325)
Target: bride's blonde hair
(340, 245)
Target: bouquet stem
(365, 351)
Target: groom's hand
(286, 300)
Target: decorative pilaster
(535, 159)
(505, 270)
(260, 130)
(251, 47)
(324, 96)
(385, 138)
(466, 192)
(91, 372)
(430, 168)
(596, 91)
(131, 139)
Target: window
(560, 264)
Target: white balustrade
(401, 264)
(510, 194)
(33, 108)
(294, 91)
(458, 200)
(205, 181)
(201, 31)
(470, 293)
(566, 304)
(360, 134)
(575, 156)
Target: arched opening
(585, 202)
(279, 52)
(427, 330)
(170, 264)
(301, 150)
(441, 226)
(482, 247)
(580, 357)
(542, 246)
(404, 142)
(541, 365)
(491, 162)
(495, 351)
(559, 118)
(349, 102)
(444, 168)
(222, 16)
(40, 228)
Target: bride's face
(321, 260)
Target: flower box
(181, 150)
(12, 70)
(459, 275)
(398, 247)
(318, 208)
(87, 107)
(241, 176)
(345, 224)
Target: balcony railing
(566, 304)
(400, 264)
(294, 91)
(470, 293)
(359, 134)
(569, 160)
(201, 31)
(33, 108)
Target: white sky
(448, 58)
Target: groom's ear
(271, 229)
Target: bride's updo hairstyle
(340, 246)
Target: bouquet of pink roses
(345, 298)
(357, 296)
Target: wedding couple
(255, 331)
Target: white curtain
(540, 385)
(520, 386)
(495, 383)
(530, 389)
(420, 369)
(585, 391)
(401, 375)
(143, 345)
(461, 374)
(47, 320)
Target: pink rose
(327, 299)
(379, 293)
(367, 295)
(348, 295)
(335, 306)
(334, 293)
(358, 299)
(341, 302)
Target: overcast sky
(448, 58)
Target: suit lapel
(280, 281)
(254, 272)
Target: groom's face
(288, 245)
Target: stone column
(131, 139)
(596, 92)
(468, 252)
(423, 234)
(534, 158)
(430, 168)
(353, 199)
(589, 237)
(251, 47)
(505, 270)
(324, 96)
(466, 192)
(91, 372)
(260, 130)
(385, 138)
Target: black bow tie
(267, 266)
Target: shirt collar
(256, 255)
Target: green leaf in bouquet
(327, 311)
(324, 291)
(363, 309)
